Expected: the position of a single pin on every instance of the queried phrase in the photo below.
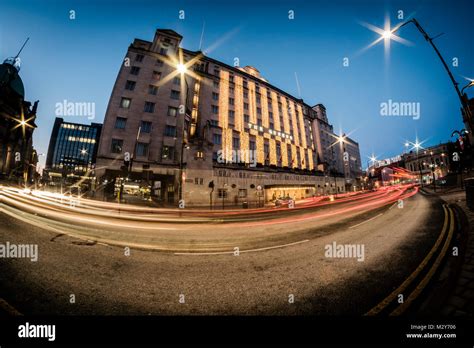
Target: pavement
(293, 277)
(458, 298)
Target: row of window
(125, 103)
(167, 152)
(231, 118)
(258, 89)
(145, 126)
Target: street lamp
(387, 35)
(181, 68)
(340, 139)
(470, 84)
(417, 147)
(407, 145)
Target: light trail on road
(178, 231)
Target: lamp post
(341, 140)
(461, 139)
(182, 70)
(433, 167)
(388, 34)
(417, 147)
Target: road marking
(363, 222)
(242, 251)
(4, 305)
(385, 302)
(403, 307)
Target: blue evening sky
(78, 60)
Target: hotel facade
(198, 131)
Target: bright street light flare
(181, 68)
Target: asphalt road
(260, 280)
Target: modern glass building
(72, 148)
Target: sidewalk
(460, 299)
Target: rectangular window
(266, 152)
(231, 101)
(278, 154)
(156, 75)
(231, 114)
(242, 193)
(177, 80)
(149, 107)
(159, 63)
(130, 85)
(167, 152)
(120, 122)
(134, 70)
(142, 149)
(246, 94)
(215, 96)
(259, 122)
(246, 106)
(259, 111)
(116, 146)
(145, 127)
(217, 139)
(172, 111)
(153, 90)
(163, 51)
(288, 152)
(252, 144)
(216, 84)
(246, 118)
(222, 193)
(214, 123)
(139, 58)
(245, 84)
(236, 143)
(125, 103)
(258, 98)
(174, 94)
(170, 131)
(215, 109)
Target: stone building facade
(202, 132)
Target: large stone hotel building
(195, 129)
